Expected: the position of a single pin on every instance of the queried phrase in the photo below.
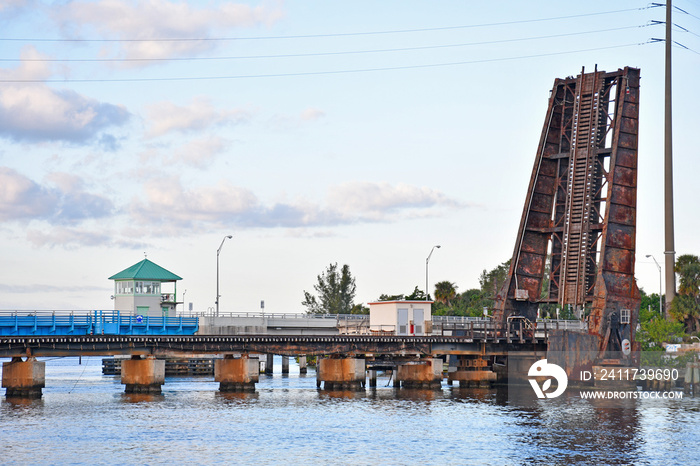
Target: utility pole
(669, 253)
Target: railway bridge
(343, 359)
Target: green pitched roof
(146, 270)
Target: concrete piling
(269, 361)
(143, 375)
(472, 372)
(237, 375)
(23, 379)
(692, 378)
(425, 373)
(341, 374)
(302, 365)
(373, 378)
(285, 364)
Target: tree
(445, 292)
(417, 295)
(685, 307)
(658, 330)
(492, 281)
(336, 292)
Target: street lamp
(218, 251)
(426, 270)
(661, 309)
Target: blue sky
(314, 132)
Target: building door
(418, 321)
(402, 322)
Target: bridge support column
(341, 374)
(426, 373)
(302, 365)
(236, 375)
(472, 372)
(143, 375)
(285, 364)
(23, 379)
(268, 363)
(373, 378)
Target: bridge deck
(272, 344)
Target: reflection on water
(141, 397)
(287, 420)
(239, 398)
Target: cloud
(292, 122)
(378, 201)
(66, 202)
(166, 202)
(199, 153)
(12, 5)
(311, 114)
(35, 112)
(160, 19)
(68, 237)
(166, 117)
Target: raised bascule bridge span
(575, 247)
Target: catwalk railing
(93, 323)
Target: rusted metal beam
(283, 345)
(579, 219)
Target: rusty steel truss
(576, 242)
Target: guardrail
(93, 323)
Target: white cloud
(35, 112)
(148, 19)
(311, 114)
(166, 202)
(9, 5)
(68, 237)
(22, 199)
(378, 201)
(167, 117)
(199, 153)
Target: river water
(86, 418)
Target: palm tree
(445, 292)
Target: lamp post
(661, 309)
(218, 251)
(426, 270)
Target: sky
(360, 133)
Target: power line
(346, 34)
(316, 73)
(317, 54)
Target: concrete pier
(472, 372)
(341, 374)
(237, 375)
(285, 364)
(372, 378)
(692, 378)
(425, 373)
(143, 375)
(302, 365)
(269, 361)
(23, 379)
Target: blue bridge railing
(93, 323)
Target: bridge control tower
(576, 242)
(138, 290)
